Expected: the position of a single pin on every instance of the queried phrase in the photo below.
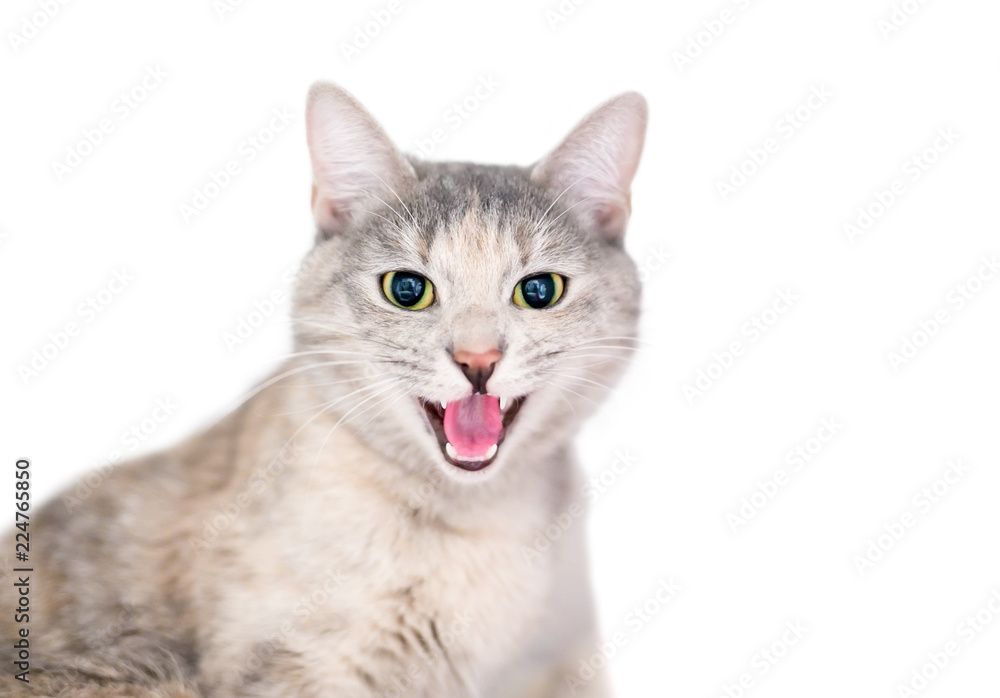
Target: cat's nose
(477, 366)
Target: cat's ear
(592, 168)
(353, 160)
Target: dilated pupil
(407, 289)
(538, 291)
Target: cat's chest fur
(377, 586)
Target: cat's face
(473, 315)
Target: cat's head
(463, 316)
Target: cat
(387, 514)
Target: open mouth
(470, 431)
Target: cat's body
(319, 541)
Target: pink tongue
(473, 425)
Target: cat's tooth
(503, 404)
(492, 452)
(444, 405)
(450, 450)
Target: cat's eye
(539, 291)
(408, 290)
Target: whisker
(580, 379)
(377, 414)
(379, 215)
(345, 380)
(603, 338)
(341, 398)
(591, 347)
(612, 344)
(286, 374)
(291, 438)
(315, 352)
(339, 422)
(567, 401)
(350, 336)
(573, 392)
(587, 367)
(396, 195)
(586, 198)
(630, 338)
(539, 221)
(384, 203)
(571, 356)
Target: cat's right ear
(592, 169)
(353, 160)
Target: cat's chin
(435, 414)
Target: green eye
(539, 291)
(408, 290)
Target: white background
(666, 517)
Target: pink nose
(477, 359)
(477, 366)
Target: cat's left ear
(592, 169)
(354, 162)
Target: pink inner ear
(611, 219)
(330, 218)
(601, 156)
